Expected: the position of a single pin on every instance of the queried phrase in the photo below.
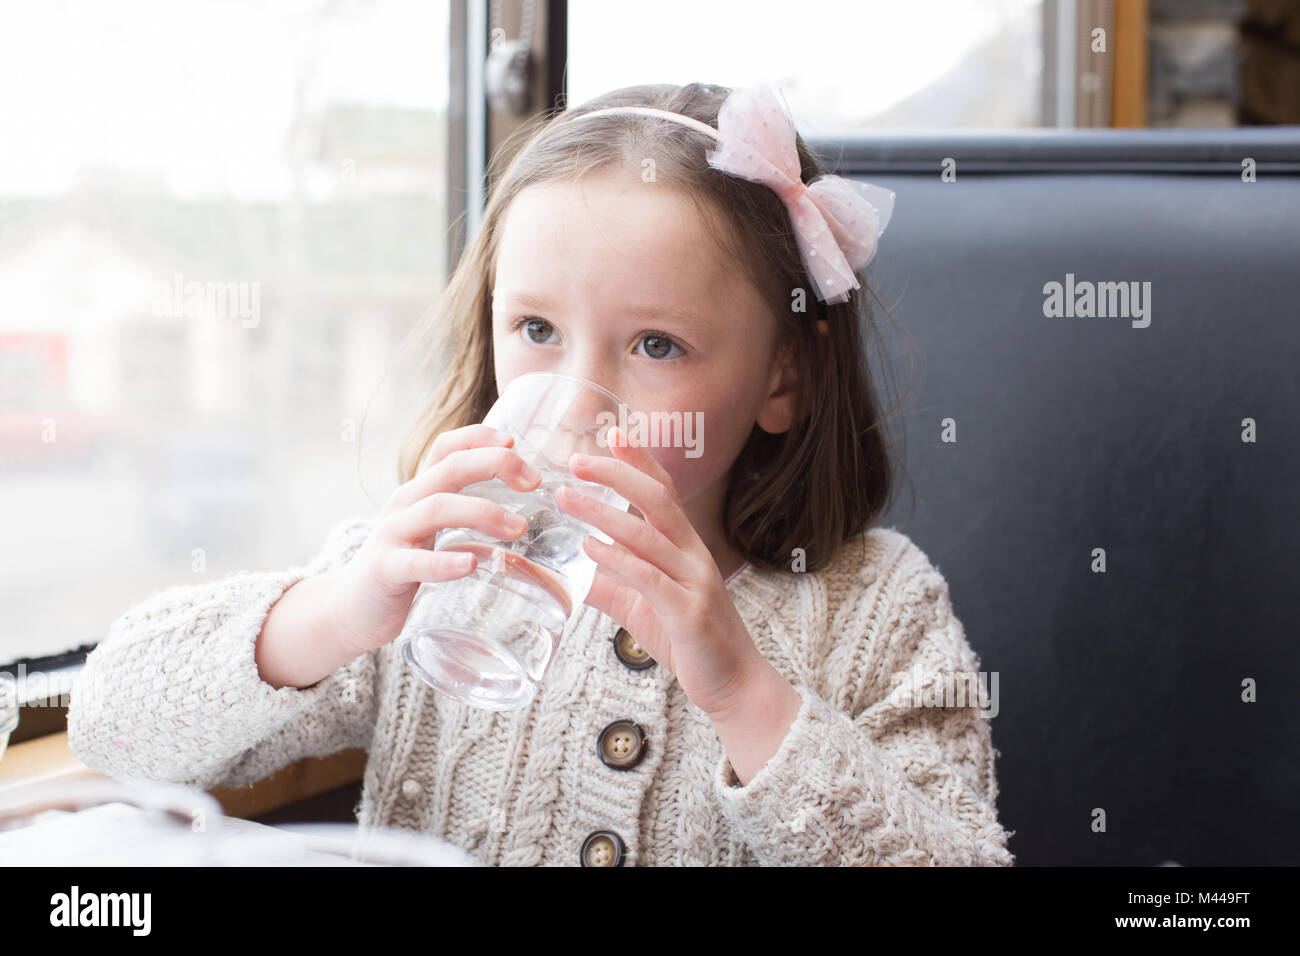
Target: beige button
(631, 654)
(602, 848)
(411, 787)
(621, 745)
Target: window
(217, 222)
(840, 66)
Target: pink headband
(837, 222)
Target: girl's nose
(592, 411)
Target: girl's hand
(659, 580)
(376, 587)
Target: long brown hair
(815, 486)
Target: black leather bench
(1119, 690)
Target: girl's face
(615, 281)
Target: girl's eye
(660, 347)
(532, 326)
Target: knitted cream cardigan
(864, 776)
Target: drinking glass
(488, 638)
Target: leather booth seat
(1119, 691)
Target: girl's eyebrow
(525, 299)
(529, 300)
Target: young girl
(732, 691)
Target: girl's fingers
(419, 524)
(622, 605)
(634, 588)
(458, 439)
(467, 466)
(411, 565)
(633, 475)
(639, 537)
(638, 455)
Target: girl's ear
(779, 410)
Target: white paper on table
(121, 834)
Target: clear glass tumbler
(488, 638)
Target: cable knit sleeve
(888, 761)
(173, 692)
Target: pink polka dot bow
(837, 221)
